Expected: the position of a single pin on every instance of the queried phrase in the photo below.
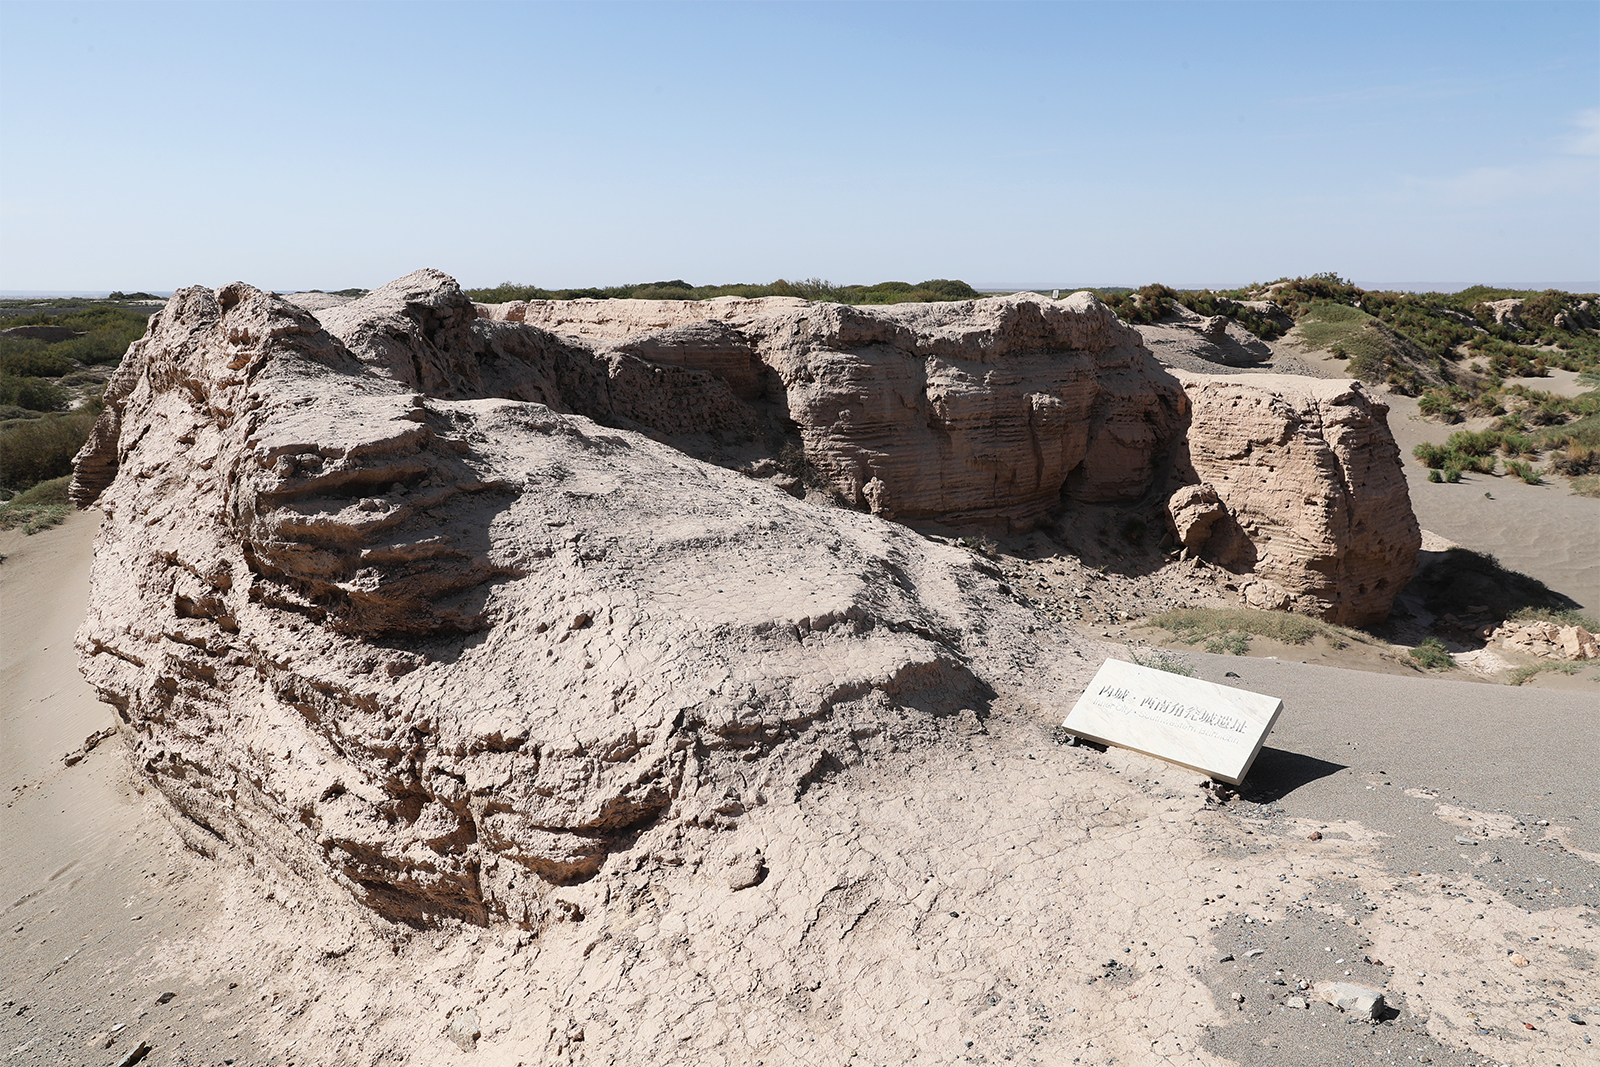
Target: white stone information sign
(1207, 727)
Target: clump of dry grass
(1160, 659)
(1523, 675)
(1229, 629)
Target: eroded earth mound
(362, 616)
(443, 601)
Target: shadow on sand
(1277, 773)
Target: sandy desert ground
(1152, 920)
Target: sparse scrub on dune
(1149, 304)
(1376, 353)
(818, 289)
(1530, 423)
(35, 509)
(1143, 306)
(1206, 302)
(1559, 616)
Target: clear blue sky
(324, 145)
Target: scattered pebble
(142, 1050)
(1356, 999)
(464, 1029)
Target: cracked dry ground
(997, 898)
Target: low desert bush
(1523, 470)
(1439, 404)
(41, 449)
(792, 459)
(35, 394)
(27, 358)
(1432, 655)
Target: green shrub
(1433, 655)
(35, 394)
(1523, 471)
(1576, 460)
(1431, 455)
(32, 359)
(1439, 405)
(41, 449)
(1435, 476)
(1516, 444)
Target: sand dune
(1545, 531)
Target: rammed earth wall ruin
(445, 603)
